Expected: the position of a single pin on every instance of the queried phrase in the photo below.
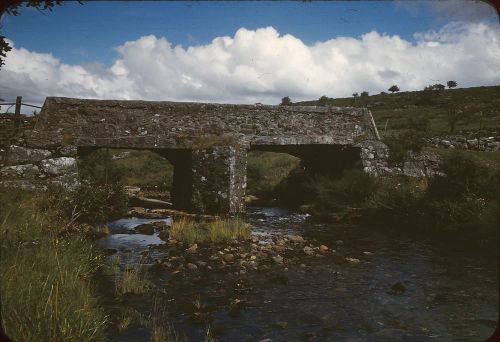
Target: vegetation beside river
(46, 266)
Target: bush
(460, 198)
(88, 203)
(463, 175)
(397, 199)
(399, 145)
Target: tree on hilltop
(393, 88)
(323, 100)
(451, 84)
(286, 101)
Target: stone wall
(36, 169)
(485, 143)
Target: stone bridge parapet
(207, 143)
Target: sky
(246, 52)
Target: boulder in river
(146, 228)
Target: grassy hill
(406, 110)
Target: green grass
(489, 158)
(217, 231)
(392, 112)
(46, 286)
(132, 281)
(265, 170)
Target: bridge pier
(218, 179)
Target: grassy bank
(46, 288)
(218, 231)
(462, 203)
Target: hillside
(405, 110)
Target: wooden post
(18, 105)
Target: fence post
(18, 105)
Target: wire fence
(18, 104)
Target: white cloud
(263, 66)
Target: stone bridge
(206, 143)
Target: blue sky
(76, 45)
(87, 33)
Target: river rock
(308, 250)
(145, 228)
(280, 324)
(398, 288)
(278, 259)
(339, 242)
(191, 266)
(228, 257)
(164, 235)
(201, 263)
(192, 249)
(323, 248)
(279, 248)
(353, 260)
(296, 238)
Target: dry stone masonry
(206, 143)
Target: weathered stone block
(59, 166)
(43, 139)
(22, 155)
(68, 151)
(16, 171)
(24, 184)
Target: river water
(403, 288)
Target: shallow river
(404, 289)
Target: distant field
(393, 112)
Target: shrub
(464, 174)
(399, 145)
(451, 84)
(398, 199)
(364, 94)
(459, 198)
(88, 203)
